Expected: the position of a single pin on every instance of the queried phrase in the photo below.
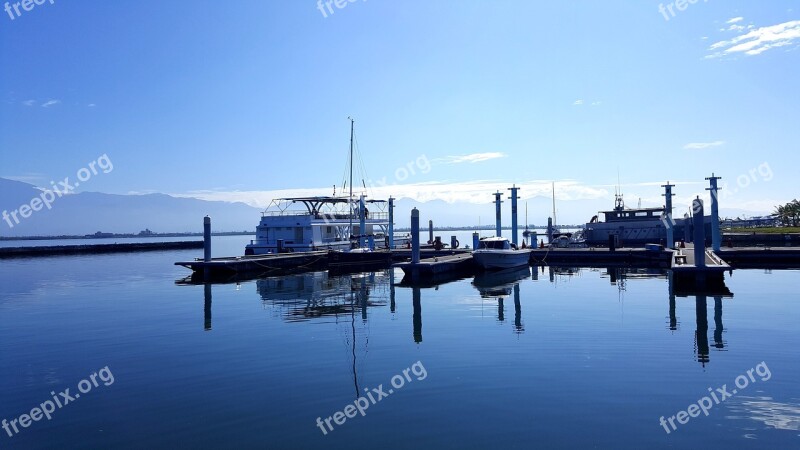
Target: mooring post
(687, 228)
(362, 221)
(669, 223)
(207, 239)
(476, 240)
(453, 242)
(391, 223)
(716, 239)
(415, 236)
(497, 214)
(430, 232)
(699, 233)
(514, 198)
(206, 246)
(550, 230)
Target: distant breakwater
(58, 250)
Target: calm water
(563, 359)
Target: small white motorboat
(498, 253)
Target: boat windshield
(495, 244)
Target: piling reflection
(207, 306)
(417, 316)
(319, 295)
(501, 284)
(701, 333)
(702, 349)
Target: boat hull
(501, 259)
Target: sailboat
(528, 233)
(564, 239)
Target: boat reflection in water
(320, 296)
(501, 284)
(317, 294)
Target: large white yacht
(324, 223)
(320, 223)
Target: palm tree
(788, 214)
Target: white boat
(324, 223)
(498, 253)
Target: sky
(452, 100)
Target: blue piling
(514, 197)
(391, 223)
(476, 241)
(669, 223)
(497, 213)
(699, 233)
(415, 236)
(207, 239)
(716, 238)
(362, 222)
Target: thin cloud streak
(471, 158)
(703, 145)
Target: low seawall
(58, 250)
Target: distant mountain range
(89, 212)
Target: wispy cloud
(735, 20)
(577, 102)
(50, 103)
(476, 192)
(29, 102)
(471, 158)
(757, 40)
(30, 177)
(703, 145)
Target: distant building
(752, 222)
(100, 234)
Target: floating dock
(761, 257)
(459, 263)
(641, 257)
(61, 250)
(259, 264)
(688, 271)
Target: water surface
(564, 358)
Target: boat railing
(371, 216)
(283, 213)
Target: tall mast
(555, 222)
(350, 200)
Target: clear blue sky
(187, 96)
